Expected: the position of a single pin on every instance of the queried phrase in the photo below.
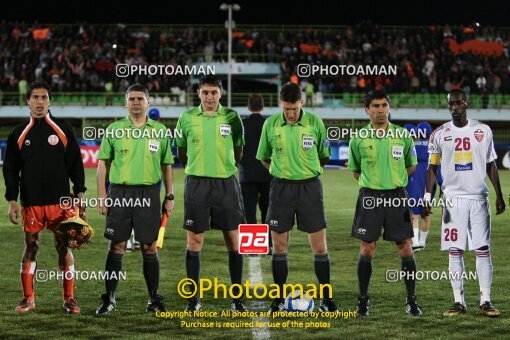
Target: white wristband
(427, 197)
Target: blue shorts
(416, 187)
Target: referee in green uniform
(135, 166)
(382, 156)
(294, 147)
(210, 148)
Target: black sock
(323, 271)
(235, 266)
(193, 266)
(151, 272)
(364, 273)
(113, 267)
(409, 267)
(280, 271)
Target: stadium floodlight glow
(229, 8)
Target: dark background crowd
(82, 57)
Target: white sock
(484, 272)
(423, 237)
(31, 270)
(416, 233)
(456, 270)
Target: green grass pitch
(388, 318)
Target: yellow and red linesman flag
(162, 228)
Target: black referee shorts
(212, 203)
(143, 218)
(301, 199)
(376, 209)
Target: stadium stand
(81, 57)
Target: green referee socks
(409, 267)
(151, 272)
(323, 271)
(280, 271)
(235, 266)
(113, 267)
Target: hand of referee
(168, 207)
(101, 206)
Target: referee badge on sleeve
(225, 130)
(153, 146)
(307, 142)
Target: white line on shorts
(256, 278)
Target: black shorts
(392, 213)
(303, 199)
(212, 203)
(143, 213)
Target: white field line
(256, 278)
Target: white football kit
(464, 153)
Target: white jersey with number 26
(465, 153)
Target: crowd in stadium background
(81, 57)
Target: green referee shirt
(294, 150)
(382, 162)
(136, 161)
(210, 141)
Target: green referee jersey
(210, 141)
(136, 161)
(294, 150)
(382, 162)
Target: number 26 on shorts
(450, 234)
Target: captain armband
(434, 159)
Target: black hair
(210, 80)
(290, 93)
(375, 94)
(138, 87)
(460, 91)
(38, 84)
(255, 103)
